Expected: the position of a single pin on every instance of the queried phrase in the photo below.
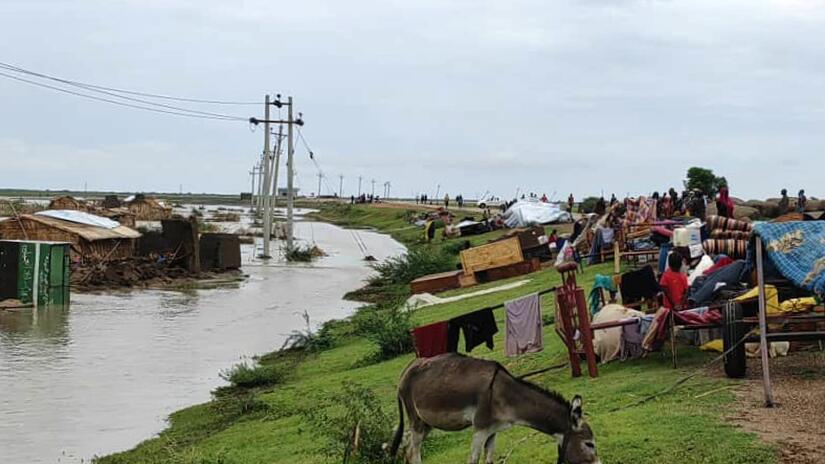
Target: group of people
(363, 198)
(785, 202)
(424, 199)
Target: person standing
(724, 205)
(446, 200)
(570, 203)
(801, 202)
(784, 202)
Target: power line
(115, 102)
(132, 92)
(115, 95)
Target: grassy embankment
(271, 419)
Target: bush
(588, 205)
(456, 247)
(388, 327)
(245, 375)
(304, 254)
(356, 411)
(410, 266)
(307, 340)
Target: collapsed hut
(149, 209)
(92, 238)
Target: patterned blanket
(797, 250)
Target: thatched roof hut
(149, 209)
(91, 237)
(69, 202)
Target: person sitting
(674, 282)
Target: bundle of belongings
(526, 213)
(523, 330)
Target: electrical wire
(115, 95)
(132, 92)
(115, 102)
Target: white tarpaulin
(524, 213)
(80, 217)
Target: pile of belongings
(525, 213)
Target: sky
(559, 97)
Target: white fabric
(524, 213)
(704, 264)
(607, 343)
(129, 199)
(80, 217)
(421, 300)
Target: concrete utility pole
(341, 186)
(320, 176)
(259, 203)
(277, 163)
(359, 185)
(267, 182)
(252, 189)
(373, 188)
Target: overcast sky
(546, 96)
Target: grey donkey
(453, 392)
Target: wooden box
(435, 283)
(491, 255)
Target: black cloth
(478, 327)
(639, 285)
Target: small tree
(704, 180)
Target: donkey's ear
(576, 412)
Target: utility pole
(290, 196)
(267, 182)
(320, 176)
(252, 189)
(341, 186)
(373, 188)
(359, 185)
(259, 202)
(277, 165)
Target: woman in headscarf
(724, 205)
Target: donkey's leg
(490, 449)
(479, 439)
(417, 436)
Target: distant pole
(277, 165)
(267, 180)
(389, 185)
(290, 194)
(340, 186)
(252, 188)
(373, 188)
(320, 176)
(359, 185)
(259, 203)
(438, 190)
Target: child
(673, 282)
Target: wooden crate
(491, 255)
(435, 283)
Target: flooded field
(103, 375)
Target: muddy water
(104, 374)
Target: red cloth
(430, 340)
(723, 261)
(688, 317)
(724, 199)
(674, 284)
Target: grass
(678, 427)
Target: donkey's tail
(399, 431)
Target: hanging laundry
(478, 327)
(523, 332)
(430, 340)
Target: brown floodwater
(104, 374)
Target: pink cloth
(524, 326)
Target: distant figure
(601, 206)
(801, 202)
(673, 282)
(352, 199)
(446, 200)
(553, 237)
(666, 211)
(570, 203)
(544, 198)
(613, 199)
(724, 205)
(784, 202)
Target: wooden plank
(763, 325)
(491, 255)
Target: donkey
(452, 392)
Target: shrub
(245, 375)
(388, 327)
(354, 412)
(410, 266)
(307, 340)
(456, 247)
(588, 205)
(304, 254)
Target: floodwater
(104, 374)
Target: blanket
(797, 251)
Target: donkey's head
(577, 445)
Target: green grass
(678, 427)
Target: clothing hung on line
(639, 285)
(478, 327)
(430, 340)
(523, 326)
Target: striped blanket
(797, 250)
(720, 222)
(736, 249)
